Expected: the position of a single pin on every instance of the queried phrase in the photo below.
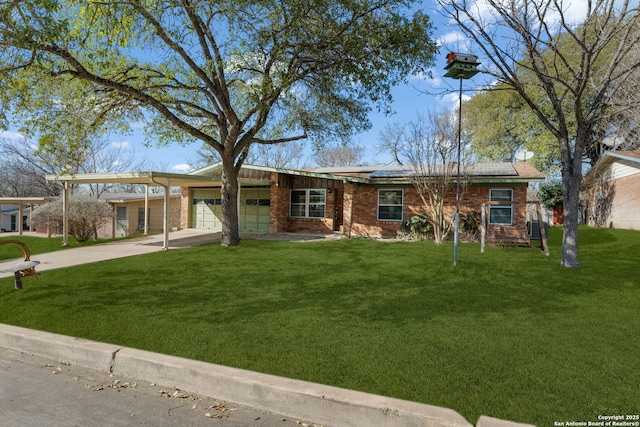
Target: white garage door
(206, 210)
(254, 209)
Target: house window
(121, 213)
(501, 214)
(308, 203)
(141, 218)
(390, 205)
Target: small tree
(86, 214)
(428, 144)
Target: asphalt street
(36, 391)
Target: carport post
(20, 215)
(146, 209)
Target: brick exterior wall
(360, 208)
(185, 204)
(360, 211)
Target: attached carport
(148, 179)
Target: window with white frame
(501, 214)
(141, 218)
(308, 203)
(390, 205)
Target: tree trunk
(571, 180)
(229, 192)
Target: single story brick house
(366, 201)
(612, 191)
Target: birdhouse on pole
(461, 65)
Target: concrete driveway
(113, 250)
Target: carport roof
(160, 179)
(16, 200)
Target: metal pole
(65, 214)
(456, 231)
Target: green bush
(550, 195)
(419, 227)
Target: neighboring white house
(16, 210)
(612, 190)
(10, 215)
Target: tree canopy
(499, 124)
(230, 74)
(502, 122)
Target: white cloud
(181, 168)
(452, 100)
(454, 41)
(574, 12)
(125, 145)
(434, 80)
(12, 136)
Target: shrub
(85, 215)
(419, 227)
(470, 225)
(550, 195)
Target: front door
(122, 226)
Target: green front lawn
(508, 333)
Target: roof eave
(470, 180)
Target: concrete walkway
(257, 392)
(119, 249)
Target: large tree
(230, 74)
(500, 125)
(568, 73)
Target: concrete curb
(292, 398)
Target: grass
(508, 333)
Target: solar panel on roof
(480, 169)
(493, 169)
(396, 173)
